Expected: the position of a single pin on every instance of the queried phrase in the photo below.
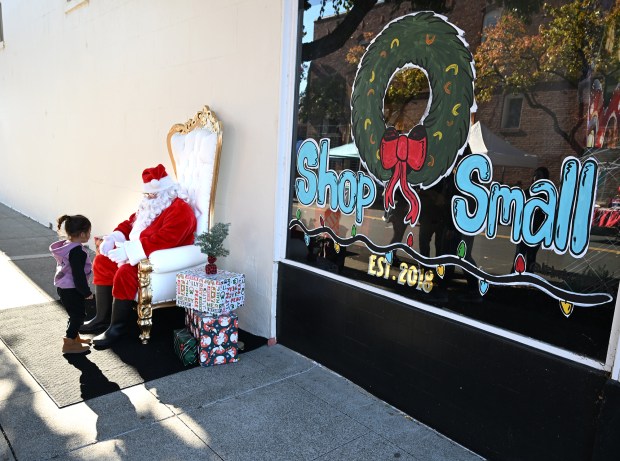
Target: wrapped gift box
(213, 294)
(185, 346)
(217, 336)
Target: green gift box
(185, 346)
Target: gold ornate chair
(194, 148)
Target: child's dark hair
(74, 224)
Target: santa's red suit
(174, 227)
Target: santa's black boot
(101, 320)
(121, 316)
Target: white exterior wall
(87, 98)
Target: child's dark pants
(74, 304)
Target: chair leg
(145, 295)
(145, 321)
(145, 329)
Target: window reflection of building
(511, 116)
(490, 20)
(611, 134)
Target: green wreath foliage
(426, 41)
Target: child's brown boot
(73, 346)
(84, 340)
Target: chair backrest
(194, 149)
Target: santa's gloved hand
(118, 254)
(106, 245)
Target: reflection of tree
(324, 101)
(588, 280)
(324, 98)
(576, 42)
(356, 11)
(407, 85)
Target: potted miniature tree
(211, 243)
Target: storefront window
(479, 177)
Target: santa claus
(164, 219)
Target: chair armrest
(176, 259)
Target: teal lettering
(348, 191)
(511, 201)
(544, 233)
(364, 184)
(471, 221)
(327, 179)
(559, 221)
(305, 187)
(570, 169)
(583, 208)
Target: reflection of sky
(312, 14)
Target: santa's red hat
(156, 179)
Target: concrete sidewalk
(272, 404)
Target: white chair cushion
(176, 259)
(166, 264)
(164, 286)
(194, 155)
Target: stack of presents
(211, 328)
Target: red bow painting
(398, 153)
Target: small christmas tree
(211, 243)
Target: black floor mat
(34, 335)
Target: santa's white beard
(148, 210)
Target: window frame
(490, 19)
(1, 28)
(508, 100)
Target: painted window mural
(477, 176)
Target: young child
(73, 266)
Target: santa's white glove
(106, 245)
(118, 254)
(109, 241)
